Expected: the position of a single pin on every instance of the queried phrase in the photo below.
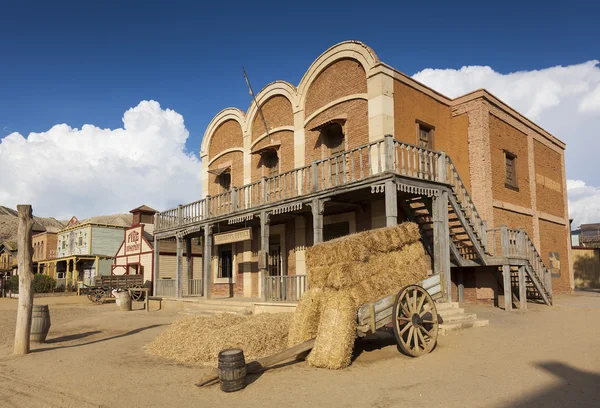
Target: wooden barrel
(232, 370)
(40, 323)
(123, 301)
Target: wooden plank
(264, 363)
(507, 287)
(431, 281)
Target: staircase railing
(516, 243)
(466, 203)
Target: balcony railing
(347, 167)
(289, 288)
(166, 288)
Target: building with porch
(83, 251)
(359, 145)
(8, 258)
(136, 256)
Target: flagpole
(256, 103)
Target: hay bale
(198, 339)
(337, 331)
(361, 246)
(305, 323)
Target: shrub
(43, 283)
(12, 284)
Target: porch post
(522, 289)
(391, 203)
(263, 258)
(179, 269)
(441, 244)
(507, 287)
(461, 285)
(318, 208)
(207, 261)
(155, 272)
(190, 265)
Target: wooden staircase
(469, 236)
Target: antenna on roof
(256, 103)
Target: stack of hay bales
(345, 273)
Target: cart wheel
(416, 323)
(98, 296)
(136, 295)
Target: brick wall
(285, 154)
(513, 220)
(228, 135)
(548, 177)
(277, 112)
(552, 239)
(356, 128)
(342, 78)
(236, 160)
(505, 137)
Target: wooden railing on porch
(289, 288)
(166, 287)
(353, 165)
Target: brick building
(359, 145)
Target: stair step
(451, 311)
(447, 328)
(446, 305)
(458, 318)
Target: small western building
(358, 145)
(83, 251)
(135, 256)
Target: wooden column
(263, 258)
(522, 289)
(179, 269)
(156, 269)
(190, 264)
(441, 242)
(207, 261)
(461, 285)
(507, 287)
(391, 203)
(24, 263)
(318, 208)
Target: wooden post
(207, 261)
(263, 187)
(156, 271)
(504, 240)
(507, 287)
(179, 269)
(314, 171)
(318, 208)
(461, 285)
(389, 152)
(522, 289)
(441, 241)
(263, 259)
(24, 262)
(234, 199)
(442, 177)
(391, 203)
(179, 214)
(190, 264)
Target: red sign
(133, 243)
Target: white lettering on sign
(133, 243)
(233, 236)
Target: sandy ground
(546, 357)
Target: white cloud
(93, 171)
(563, 100)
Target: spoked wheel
(136, 295)
(98, 296)
(416, 323)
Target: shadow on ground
(577, 388)
(86, 334)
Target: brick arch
(353, 50)
(277, 111)
(227, 136)
(237, 123)
(275, 93)
(342, 78)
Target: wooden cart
(103, 289)
(411, 313)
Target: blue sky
(87, 62)
(100, 63)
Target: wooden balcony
(363, 165)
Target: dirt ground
(546, 357)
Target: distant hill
(9, 223)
